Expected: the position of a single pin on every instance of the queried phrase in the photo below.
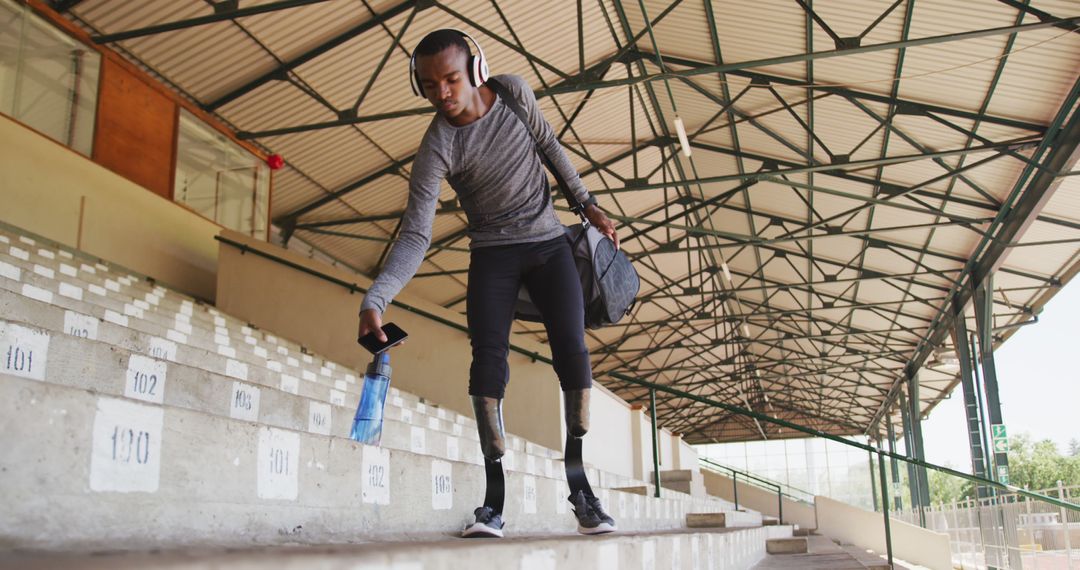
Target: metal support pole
(913, 478)
(971, 402)
(873, 483)
(735, 487)
(885, 510)
(895, 466)
(655, 443)
(1065, 526)
(921, 480)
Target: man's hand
(601, 222)
(371, 321)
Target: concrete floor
(822, 554)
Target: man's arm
(555, 153)
(412, 243)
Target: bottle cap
(380, 364)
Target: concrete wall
(866, 529)
(759, 500)
(686, 457)
(433, 364)
(52, 191)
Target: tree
(1038, 465)
(945, 488)
(1074, 447)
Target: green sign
(1001, 438)
(1003, 474)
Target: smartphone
(394, 337)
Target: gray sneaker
(590, 520)
(489, 524)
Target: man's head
(443, 69)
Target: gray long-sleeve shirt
(494, 169)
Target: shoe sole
(602, 528)
(480, 530)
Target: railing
(783, 490)
(1072, 508)
(1008, 531)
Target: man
(484, 150)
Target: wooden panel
(136, 130)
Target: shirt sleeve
(413, 240)
(546, 136)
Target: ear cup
(474, 71)
(414, 82)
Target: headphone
(478, 67)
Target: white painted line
(4, 239)
(375, 478)
(71, 291)
(227, 351)
(88, 269)
(186, 308)
(351, 379)
(37, 293)
(325, 371)
(442, 414)
(244, 402)
(153, 299)
(290, 384)
(176, 336)
(417, 439)
(221, 331)
(275, 366)
(420, 407)
(18, 253)
(308, 375)
(308, 359)
(116, 318)
(66, 254)
(246, 330)
(221, 340)
(68, 270)
(539, 560)
(260, 352)
(112, 285)
(251, 340)
(24, 352)
(27, 240)
(10, 271)
(101, 267)
(279, 459)
(433, 423)
(442, 485)
(97, 290)
(529, 494)
(406, 416)
(236, 369)
(319, 418)
(453, 448)
(271, 338)
(331, 366)
(80, 325)
(162, 349)
(126, 448)
(182, 318)
(398, 401)
(133, 311)
(145, 379)
(292, 362)
(281, 349)
(46, 254)
(141, 304)
(218, 321)
(44, 271)
(337, 398)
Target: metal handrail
(758, 480)
(735, 485)
(653, 388)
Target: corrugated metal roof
(817, 301)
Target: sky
(1039, 386)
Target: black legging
(548, 271)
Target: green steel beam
(217, 16)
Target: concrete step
(793, 545)
(724, 549)
(81, 470)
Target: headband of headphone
(477, 64)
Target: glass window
(219, 179)
(48, 80)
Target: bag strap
(509, 100)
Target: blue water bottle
(367, 424)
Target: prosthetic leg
(591, 516)
(489, 426)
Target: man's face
(445, 79)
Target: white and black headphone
(478, 67)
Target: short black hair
(440, 40)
